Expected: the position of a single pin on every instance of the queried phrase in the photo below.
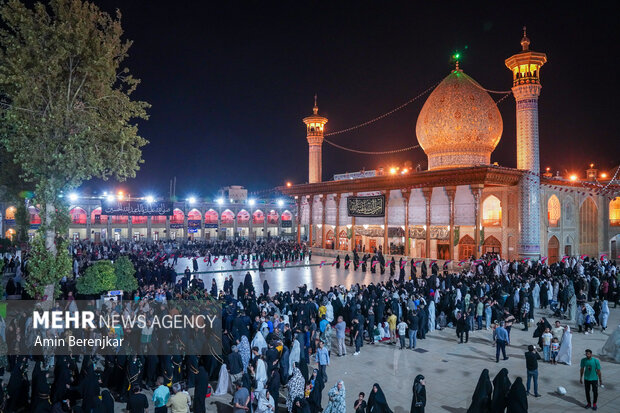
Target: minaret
(315, 125)
(525, 67)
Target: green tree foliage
(66, 112)
(47, 266)
(98, 278)
(22, 221)
(125, 275)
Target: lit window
(553, 211)
(491, 212)
(614, 212)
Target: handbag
(417, 403)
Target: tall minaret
(314, 133)
(525, 67)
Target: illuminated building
(463, 205)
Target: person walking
(340, 328)
(418, 402)
(531, 364)
(590, 372)
(501, 339)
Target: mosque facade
(463, 205)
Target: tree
(125, 275)
(97, 278)
(66, 112)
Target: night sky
(229, 83)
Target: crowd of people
(271, 340)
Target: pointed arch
(211, 217)
(258, 217)
(272, 217)
(228, 217)
(553, 250)
(243, 217)
(178, 217)
(466, 247)
(194, 215)
(491, 245)
(78, 215)
(10, 213)
(492, 212)
(554, 211)
(588, 228)
(286, 215)
(35, 219)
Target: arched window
(243, 217)
(588, 228)
(554, 210)
(228, 217)
(258, 217)
(78, 216)
(466, 247)
(211, 217)
(272, 217)
(492, 212)
(286, 216)
(10, 212)
(178, 217)
(97, 218)
(614, 212)
(491, 245)
(194, 215)
(35, 219)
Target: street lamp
(191, 200)
(573, 177)
(150, 199)
(220, 201)
(280, 203)
(73, 197)
(251, 202)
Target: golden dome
(459, 124)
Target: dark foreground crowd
(276, 346)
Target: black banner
(138, 208)
(366, 206)
(287, 224)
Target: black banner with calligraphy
(366, 206)
(138, 208)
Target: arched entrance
(343, 240)
(466, 247)
(588, 228)
(492, 246)
(553, 250)
(329, 240)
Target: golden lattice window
(554, 210)
(614, 212)
(491, 212)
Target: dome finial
(315, 109)
(525, 42)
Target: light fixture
(219, 201)
(573, 177)
(191, 200)
(288, 184)
(111, 198)
(349, 226)
(365, 226)
(319, 225)
(73, 197)
(280, 203)
(251, 202)
(424, 226)
(603, 175)
(120, 195)
(393, 171)
(149, 199)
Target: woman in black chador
(418, 402)
(377, 403)
(517, 398)
(337, 261)
(501, 387)
(481, 400)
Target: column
(298, 219)
(130, 228)
(148, 228)
(428, 193)
(168, 226)
(251, 224)
(310, 220)
(109, 236)
(386, 247)
(451, 192)
(337, 226)
(406, 193)
(265, 231)
(219, 223)
(279, 222)
(323, 202)
(235, 223)
(88, 223)
(476, 190)
(185, 225)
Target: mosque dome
(459, 124)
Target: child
(546, 341)
(402, 332)
(360, 404)
(555, 347)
